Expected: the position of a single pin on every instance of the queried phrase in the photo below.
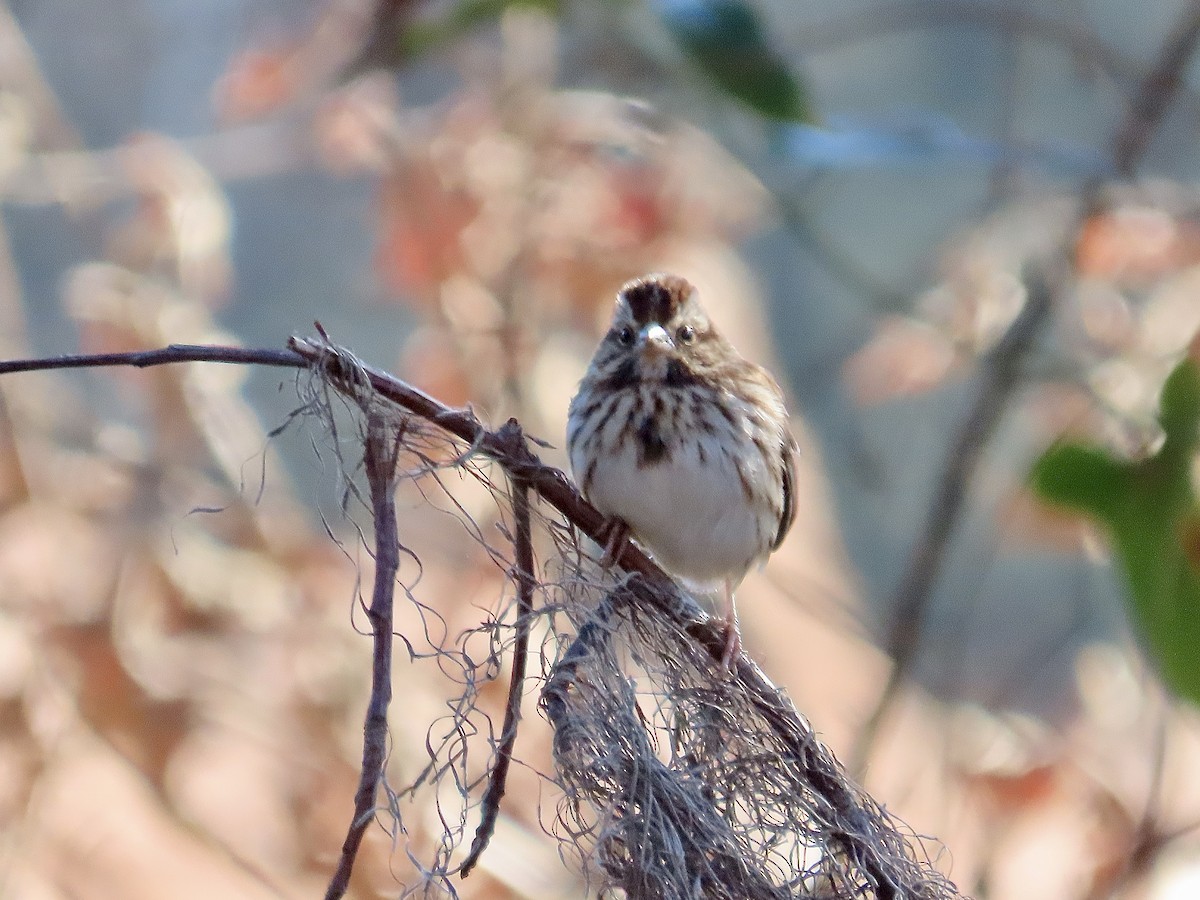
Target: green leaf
(1087, 479)
(1150, 508)
(725, 39)
(1180, 404)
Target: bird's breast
(684, 477)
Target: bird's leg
(733, 634)
(615, 532)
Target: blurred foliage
(726, 41)
(1152, 511)
(426, 35)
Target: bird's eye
(686, 334)
(625, 336)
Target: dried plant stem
(383, 446)
(526, 583)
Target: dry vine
(679, 780)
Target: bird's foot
(733, 646)
(733, 633)
(615, 533)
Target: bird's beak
(653, 339)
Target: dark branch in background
(380, 455)
(1001, 374)
(864, 835)
(526, 583)
(842, 264)
(1081, 41)
(1001, 370)
(382, 46)
(1156, 93)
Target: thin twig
(526, 583)
(382, 449)
(843, 264)
(174, 353)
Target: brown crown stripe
(656, 298)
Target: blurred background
(957, 230)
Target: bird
(679, 440)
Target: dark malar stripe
(679, 375)
(624, 376)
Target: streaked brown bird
(678, 438)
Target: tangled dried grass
(679, 780)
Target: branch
(524, 573)
(546, 481)
(1001, 370)
(175, 353)
(382, 450)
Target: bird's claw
(614, 532)
(733, 646)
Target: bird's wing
(787, 459)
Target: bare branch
(353, 375)
(1001, 370)
(382, 447)
(548, 482)
(174, 353)
(526, 582)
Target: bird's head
(659, 332)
